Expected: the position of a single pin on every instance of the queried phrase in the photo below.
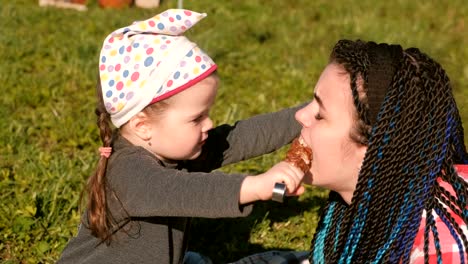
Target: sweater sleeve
(145, 188)
(247, 139)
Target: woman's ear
(140, 126)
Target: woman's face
(327, 124)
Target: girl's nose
(208, 124)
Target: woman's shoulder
(462, 170)
(449, 246)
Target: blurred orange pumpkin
(114, 3)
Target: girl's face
(182, 129)
(327, 124)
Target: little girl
(155, 170)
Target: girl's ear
(140, 125)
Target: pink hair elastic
(105, 151)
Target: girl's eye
(318, 116)
(198, 119)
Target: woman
(386, 136)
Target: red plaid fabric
(449, 247)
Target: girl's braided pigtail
(99, 219)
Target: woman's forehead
(334, 83)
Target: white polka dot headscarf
(150, 61)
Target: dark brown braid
(98, 218)
(414, 138)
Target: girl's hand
(260, 187)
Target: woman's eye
(318, 116)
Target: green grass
(269, 53)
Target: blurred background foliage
(269, 53)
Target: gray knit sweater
(156, 199)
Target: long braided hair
(410, 123)
(98, 216)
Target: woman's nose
(302, 117)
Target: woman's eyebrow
(319, 101)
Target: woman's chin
(308, 178)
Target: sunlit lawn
(269, 53)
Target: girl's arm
(146, 189)
(247, 139)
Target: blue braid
(355, 232)
(318, 255)
(396, 230)
(337, 233)
(415, 210)
(432, 177)
(413, 220)
(465, 213)
(406, 244)
(360, 219)
(453, 233)
(448, 134)
(460, 151)
(426, 235)
(389, 220)
(457, 138)
(462, 154)
(436, 240)
(458, 190)
(357, 226)
(421, 196)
